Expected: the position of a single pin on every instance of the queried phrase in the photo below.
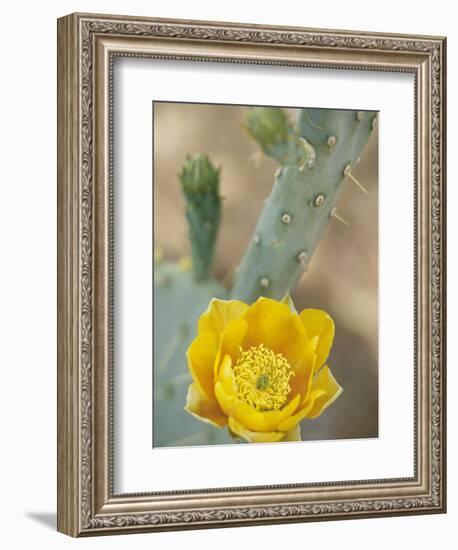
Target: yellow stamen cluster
(262, 378)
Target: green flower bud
(268, 126)
(200, 185)
(198, 175)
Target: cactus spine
(315, 156)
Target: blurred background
(342, 277)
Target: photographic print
(231, 286)
(265, 274)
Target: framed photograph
(251, 289)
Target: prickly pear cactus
(316, 154)
(304, 194)
(182, 291)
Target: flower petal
(231, 341)
(325, 382)
(302, 413)
(201, 356)
(319, 324)
(253, 437)
(263, 421)
(268, 323)
(304, 369)
(227, 376)
(203, 408)
(219, 313)
(296, 343)
(300, 354)
(226, 386)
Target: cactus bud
(200, 184)
(271, 129)
(199, 175)
(268, 126)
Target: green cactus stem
(179, 300)
(302, 201)
(200, 184)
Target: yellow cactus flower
(260, 369)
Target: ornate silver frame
(87, 44)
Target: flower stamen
(262, 378)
